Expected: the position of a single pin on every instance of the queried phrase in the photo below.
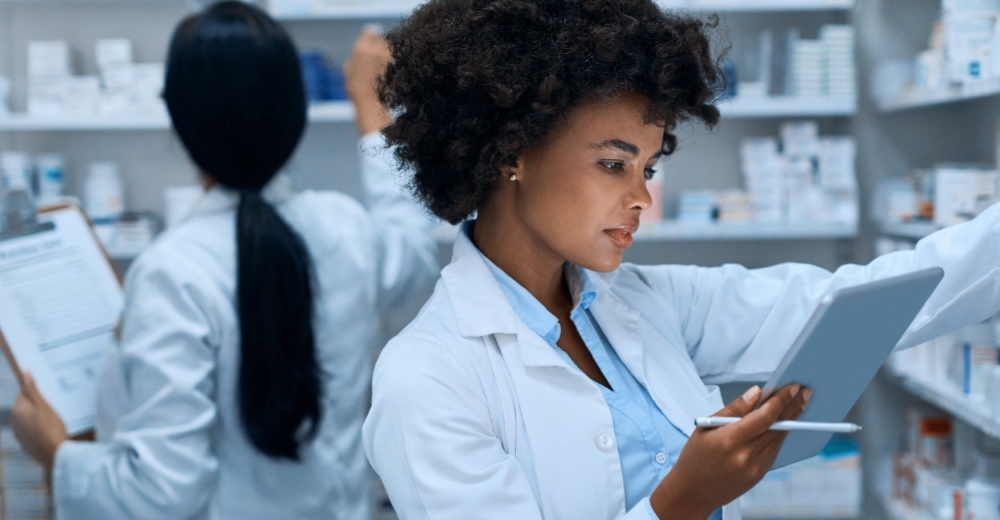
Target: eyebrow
(623, 146)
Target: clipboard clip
(26, 229)
(20, 217)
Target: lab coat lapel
(663, 367)
(564, 413)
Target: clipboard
(60, 303)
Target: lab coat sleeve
(407, 265)
(430, 437)
(738, 323)
(159, 461)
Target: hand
(36, 424)
(718, 465)
(367, 63)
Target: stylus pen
(715, 422)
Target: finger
(795, 408)
(770, 445)
(741, 405)
(758, 421)
(28, 387)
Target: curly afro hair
(476, 83)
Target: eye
(614, 166)
(649, 173)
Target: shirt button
(661, 458)
(605, 441)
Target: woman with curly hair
(544, 378)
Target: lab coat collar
(218, 198)
(482, 309)
(480, 306)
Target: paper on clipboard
(60, 301)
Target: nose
(638, 196)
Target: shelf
(899, 511)
(949, 399)
(916, 99)
(758, 5)
(910, 230)
(359, 11)
(676, 231)
(387, 10)
(788, 106)
(334, 112)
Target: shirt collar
(218, 198)
(528, 308)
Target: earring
(512, 177)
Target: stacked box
(825, 486)
(812, 179)
(25, 494)
(808, 62)
(838, 42)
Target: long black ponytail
(235, 94)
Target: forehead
(620, 118)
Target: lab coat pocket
(713, 401)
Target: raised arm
(407, 262)
(738, 322)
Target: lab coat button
(605, 441)
(661, 458)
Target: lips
(622, 235)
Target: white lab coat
(476, 416)
(171, 444)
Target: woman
(544, 378)
(240, 384)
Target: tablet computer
(841, 348)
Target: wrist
(48, 458)
(370, 116)
(670, 501)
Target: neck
(517, 251)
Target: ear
(512, 172)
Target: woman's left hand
(36, 424)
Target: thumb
(28, 387)
(741, 405)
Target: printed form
(60, 303)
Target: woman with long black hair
(238, 390)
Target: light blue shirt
(648, 443)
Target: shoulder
(661, 279)
(330, 222)
(429, 348)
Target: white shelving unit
(900, 511)
(788, 106)
(916, 99)
(387, 10)
(677, 232)
(334, 112)
(909, 230)
(760, 5)
(949, 399)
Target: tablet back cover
(842, 348)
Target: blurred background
(851, 128)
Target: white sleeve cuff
(643, 511)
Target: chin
(603, 263)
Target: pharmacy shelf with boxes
(962, 60)
(125, 95)
(957, 374)
(943, 471)
(800, 178)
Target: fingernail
(751, 394)
(807, 394)
(795, 390)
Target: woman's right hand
(367, 63)
(719, 465)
